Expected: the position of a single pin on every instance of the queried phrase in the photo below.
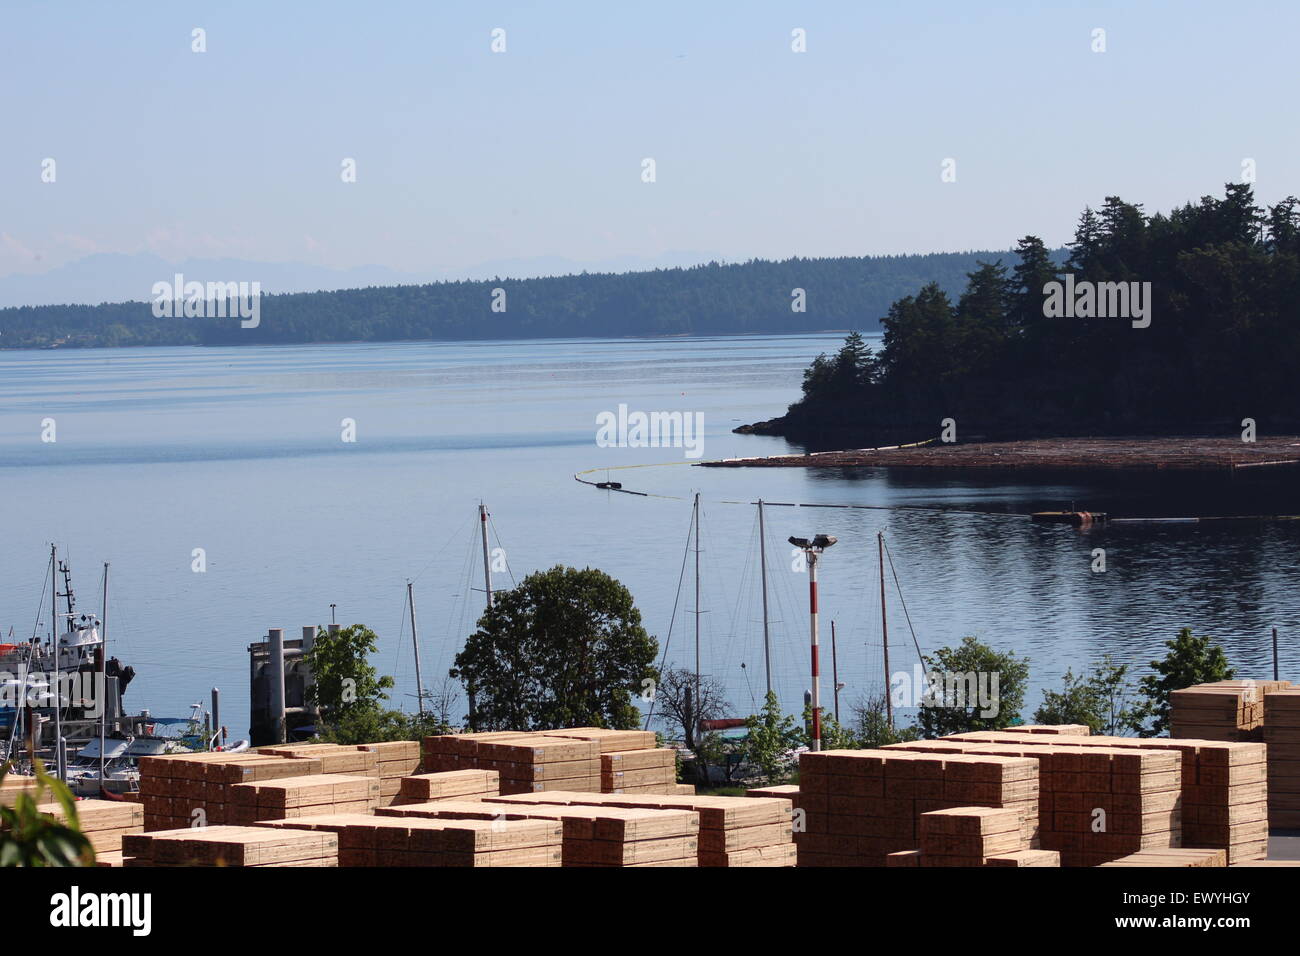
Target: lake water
(239, 452)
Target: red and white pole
(816, 661)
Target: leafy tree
(771, 740)
(565, 648)
(344, 683)
(375, 724)
(1191, 660)
(1095, 699)
(30, 837)
(871, 724)
(959, 674)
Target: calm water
(239, 452)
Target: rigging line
(45, 582)
(456, 534)
(681, 577)
(505, 553)
(899, 588)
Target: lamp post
(813, 549)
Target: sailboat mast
(102, 689)
(884, 628)
(762, 564)
(415, 642)
(697, 712)
(54, 628)
(487, 564)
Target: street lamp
(812, 549)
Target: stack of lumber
(1282, 739)
(627, 761)
(861, 805)
(1231, 710)
(592, 836)
(231, 846)
(180, 790)
(104, 822)
(301, 797)
(1025, 858)
(1171, 856)
(448, 785)
(1067, 730)
(397, 759)
(1222, 790)
(333, 758)
(456, 751)
(967, 836)
(1095, 803)
(534, 762)
(734, 831)
(11, 786)
(370, 841)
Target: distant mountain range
(377, 304)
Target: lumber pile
(860, 806)
(301, 797)
(11, 786)
(967, 836)
(448, 785)
(406, 841)
(1222, 790)
(180, 790)
(1282, 740)
(626, 761)
(1231, 710)
(1066, 730)
(1020, 858)
(397, 759)
(592, 836)
(104, 822)
(1172, 856)
(1095, 803)
(231, 846)
(734, 831)
(333, 758)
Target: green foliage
(871, 725)
(1224, 275)
(29, 837)
(344, 684)
(957, 673)
(772, 737)
(374, 725)
(1191, 660)
(563, 649)
(1096, 699)
(712, 299)
(834, 736)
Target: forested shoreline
(714, 299)
(1220, 342)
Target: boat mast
(415, 642)
(54, 629)
(835, 672)
(697, 711)
(487, 564)
(102, 689)
(884, 628)
(762, 563)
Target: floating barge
(1174, 454)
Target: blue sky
(465, 156)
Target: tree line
(757, 296)
(1220, 339)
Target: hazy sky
(464, 155)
